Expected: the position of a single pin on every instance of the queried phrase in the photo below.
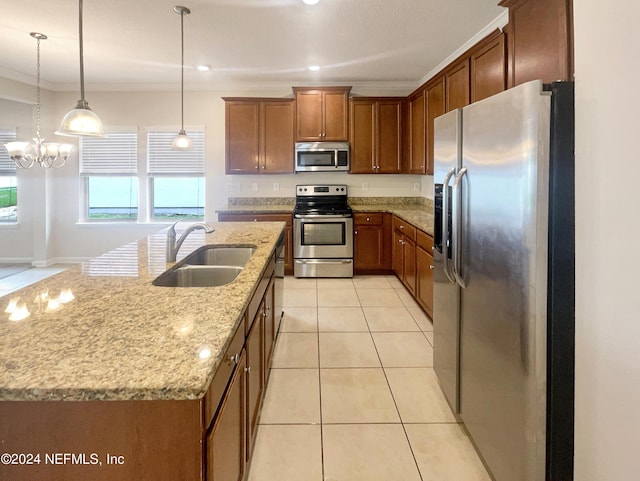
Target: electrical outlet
(365, 186)
(229, 188)
(416, 187)
(254, 186)
(276, 186)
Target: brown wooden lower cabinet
(288, 230)
(413, 261)
(255, 376)
(424, 266)
(226, 443)
(371, 242)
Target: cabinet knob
(401, 227)
(355, 232)
(368, 220)
(233, 359)
(247, 369)
(432, 267)
(264, 167)
(257, 167)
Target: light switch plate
(254, 186)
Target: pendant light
(181, 142)
(46, 154)
(81, 121)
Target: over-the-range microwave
(322, 156)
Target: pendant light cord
(38, 89)
(181, 71)
(81, 55)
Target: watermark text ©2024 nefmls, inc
(59, 459)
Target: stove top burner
(322, 200)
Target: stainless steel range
(322, 232)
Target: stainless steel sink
(220, 256)
(198, 276)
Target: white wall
(607, 241)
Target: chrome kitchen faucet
(173, 245)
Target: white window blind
(117, 153)
(7, 167)
(163, 160)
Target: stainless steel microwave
(322, 156)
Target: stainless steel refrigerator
(503, 315)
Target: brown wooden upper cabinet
(259, 136)
(376, 135)
(540, 40)
(322, 114)
(435, 108)
(488, 68)
(456, 81)
(415, 162)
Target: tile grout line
(319, 383)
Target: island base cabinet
(101, 440)
(225, 460)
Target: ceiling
(136, 44)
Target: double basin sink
(207, 267)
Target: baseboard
(16, 260)
(59, 260)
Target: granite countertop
(122, 338)
(415, 210)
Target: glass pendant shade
(181, 142)
(81, 121)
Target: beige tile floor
(353, 395)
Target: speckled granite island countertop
(122, 338)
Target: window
(109, 166)
(8, 181)
(176, 178)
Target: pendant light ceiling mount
(181, 141)
(46, 154)
(81, 121)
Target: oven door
(322, 237)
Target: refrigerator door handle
(445, 226)
(456, 236)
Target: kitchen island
(119, 383)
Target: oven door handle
(323, 261)
(322, 216)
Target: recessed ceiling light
(314, 68)
(310, 2)
(203, 68)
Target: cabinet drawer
(404, 227)
(223, 374)
(369, 218)
(227, 217)
(424, 241)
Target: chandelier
(47, 154)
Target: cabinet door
(540, 37)
(410, 265)
(269, 330)
(424, 286)
(367, 249)
(309, 115)
(488, 69)
(362, 136)
(416, 161)
(242, 150)
(225, 444)
(254, 371)
(277, 137)
(435, 108)
(389, 137)
(336, 126)
(457, 85)
(398, 254)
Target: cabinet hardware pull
(257, 166)
(234, 359)
(355, 232)
(432, 267)
(368, 220)
(247, 369)
(401, 227)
